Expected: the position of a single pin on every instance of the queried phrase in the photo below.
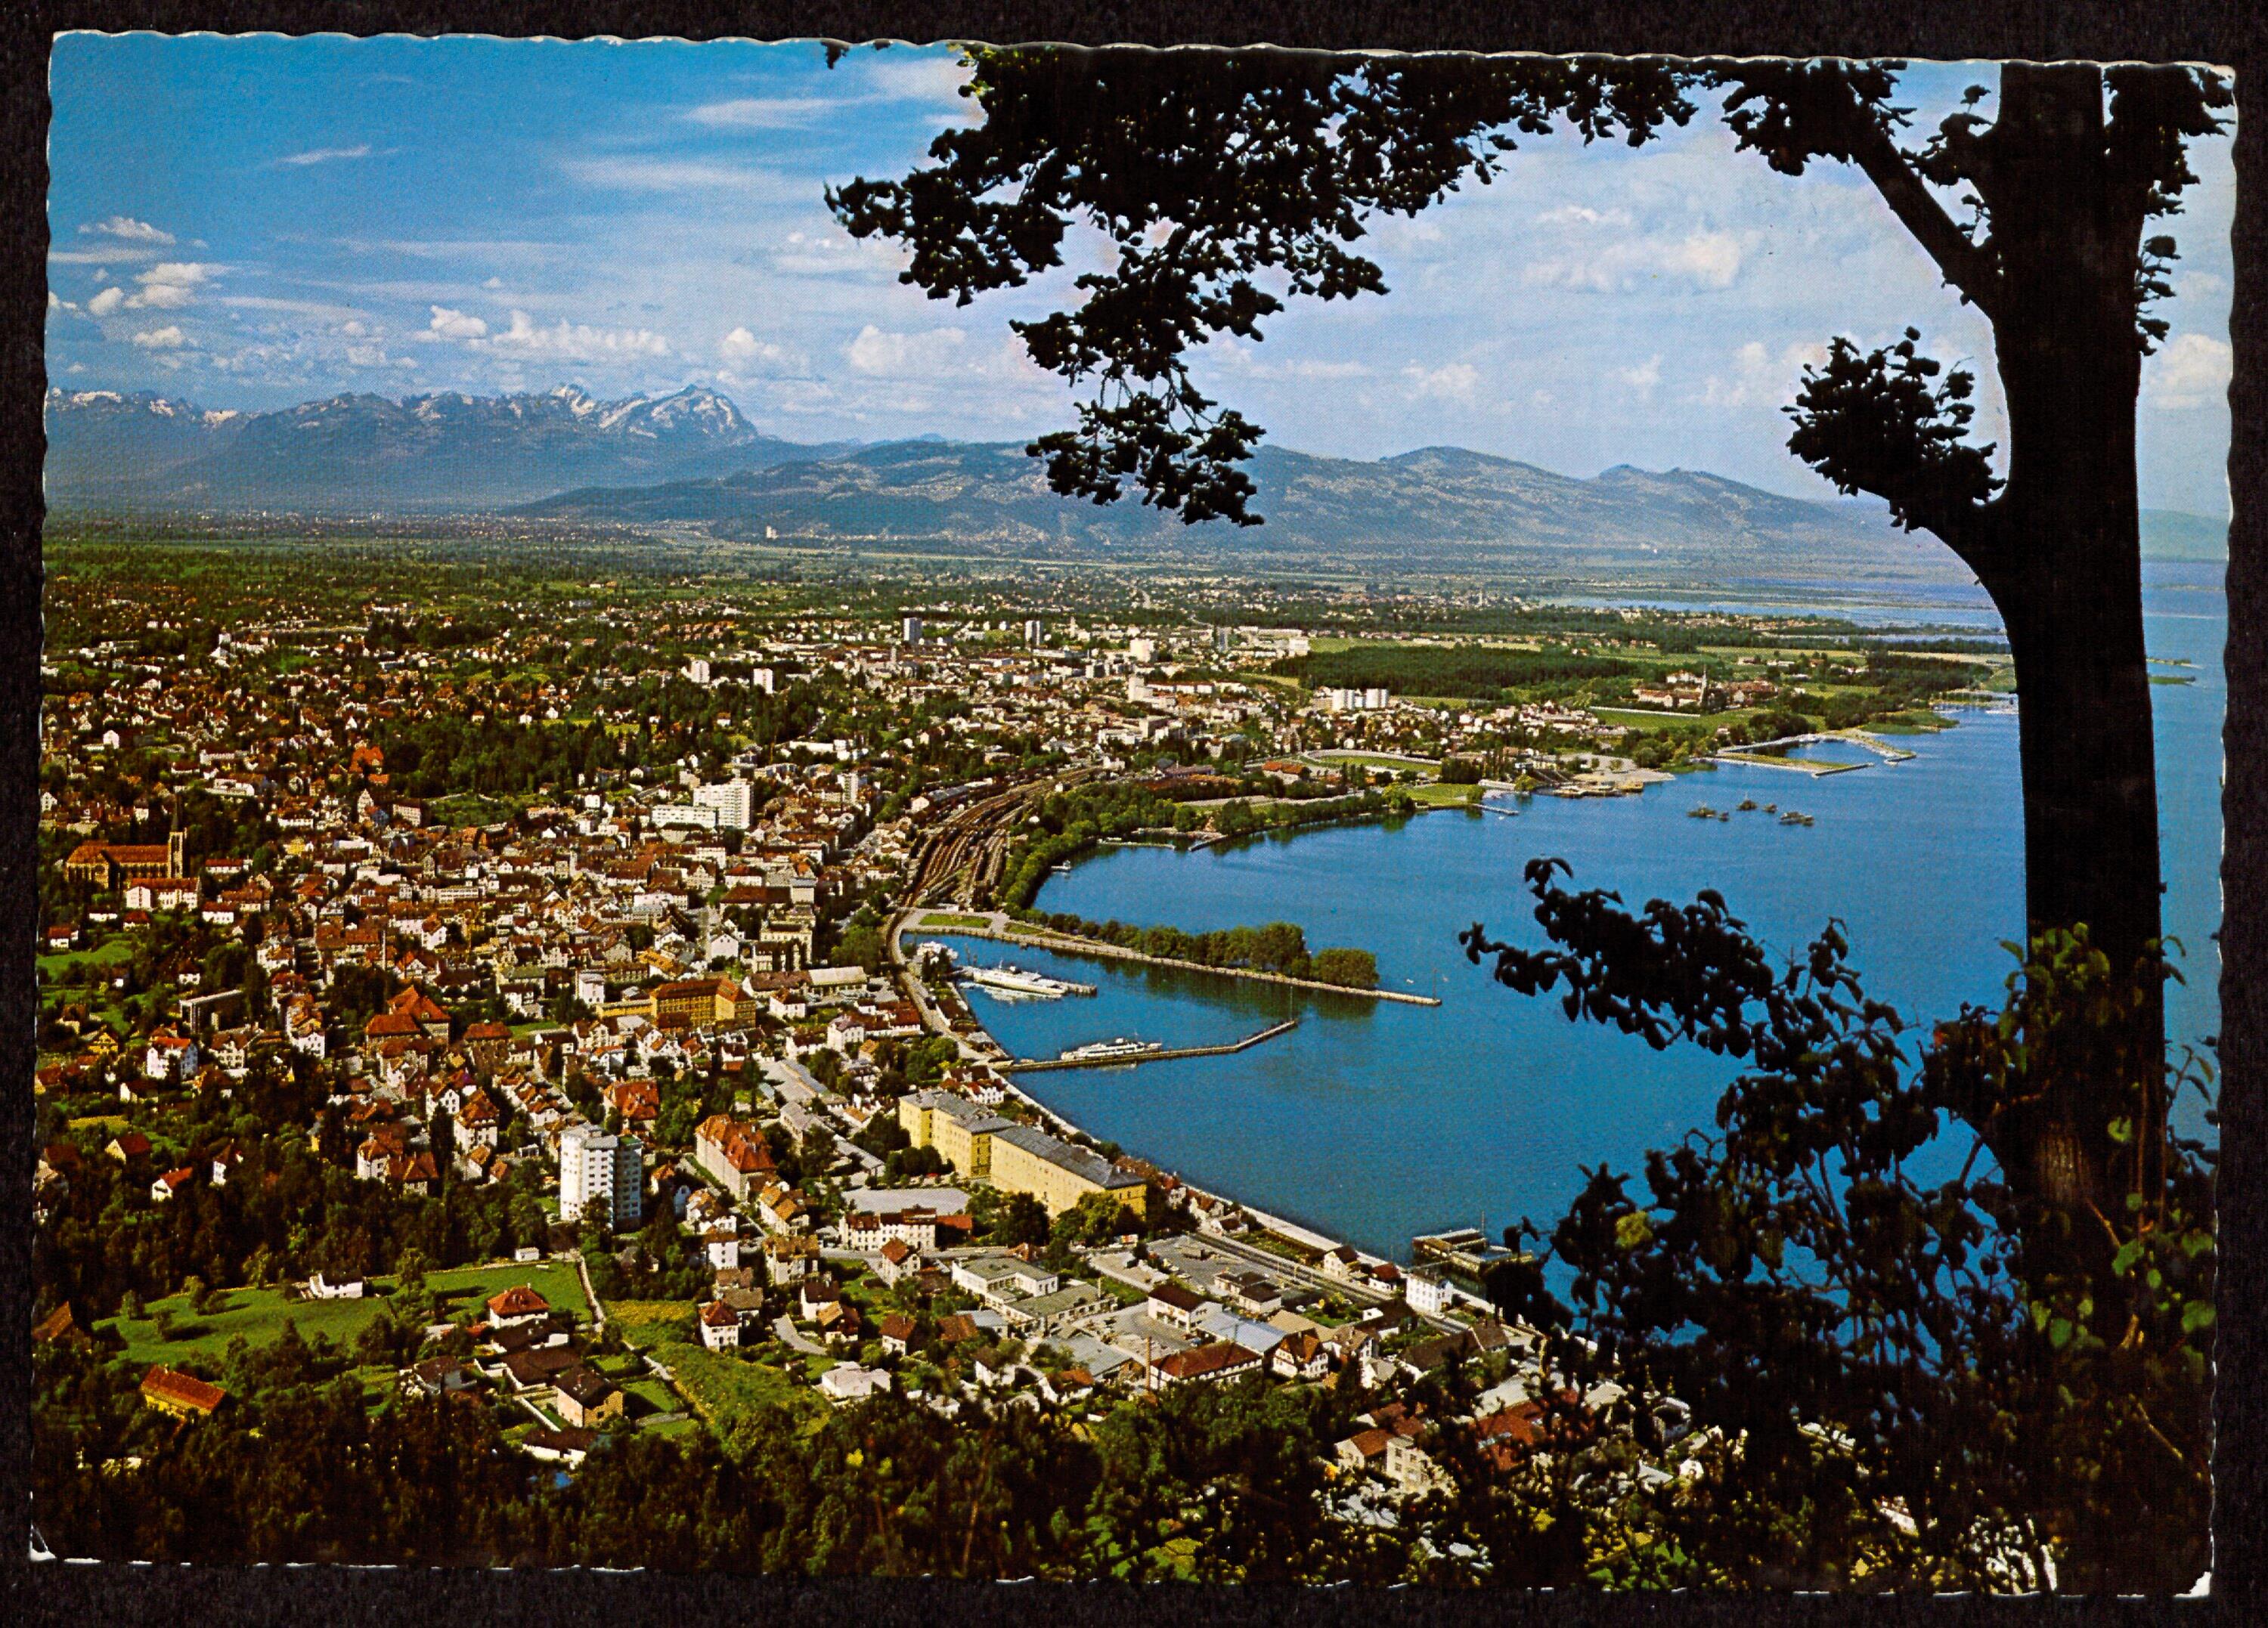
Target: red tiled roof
(1213, 1358)
(519, 1301)
(169, 1385)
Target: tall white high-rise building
(734, 801)
(1033, 633)
(595, 1165)
(912, 630)
(698, 670)
(764, 679)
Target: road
(794, 1341)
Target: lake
(1376, 1121)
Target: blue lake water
(1375, 1121)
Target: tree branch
(1968, 265)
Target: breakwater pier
(1005, 929)
(1763, 755)
(1035, 1065)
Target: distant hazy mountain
(691, 458)
(99, 441)
(364, 452)
(2169, 534)
(1439, 504)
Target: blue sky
(249, 223)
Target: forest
(1277, 947)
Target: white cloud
(898, 356)
(833, 254)
(109, 300)
(167, 338)
(1707, 260)
(691, 175)
(1582, 215)
(571, 342)
(129, 229)
(1250, 361)
(1453, 381)
(2190, 372)
(917, 78)
(1642, 378)
(762, 113)
(57, 302)
(1760, 376)
(742, 349)
(447, 323)
(326, 155)
(169, 285)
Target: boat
(1105, 1050)
(1746, 804)
(1793, 819)
(1701, 810)
(1062, 871)
(1015, 983)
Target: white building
(1033, 633)
(698, 670)
(1427, 1291)
(695, 814)
(912, 630)
(764, 679)
(849, 1382)
(595, 1165)
(732, 801)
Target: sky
(255, 222)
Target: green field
(259, 1314)
(557, 1280)
(724, 1390)
(1435, 795)
(648, 1322)
(1371, 760)
(110, 952)
(936, 923)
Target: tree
(1209, 171)
(1099, 1218)
(1909, 1374)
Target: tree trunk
(2061, 556)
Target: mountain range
(691, 460)
(359, 453)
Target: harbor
(1770, 754)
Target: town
(553, 945)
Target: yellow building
(960, 1130)
(1058, 1173)
(697, 1000)
(1014, 1158)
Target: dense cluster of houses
(535, 983)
